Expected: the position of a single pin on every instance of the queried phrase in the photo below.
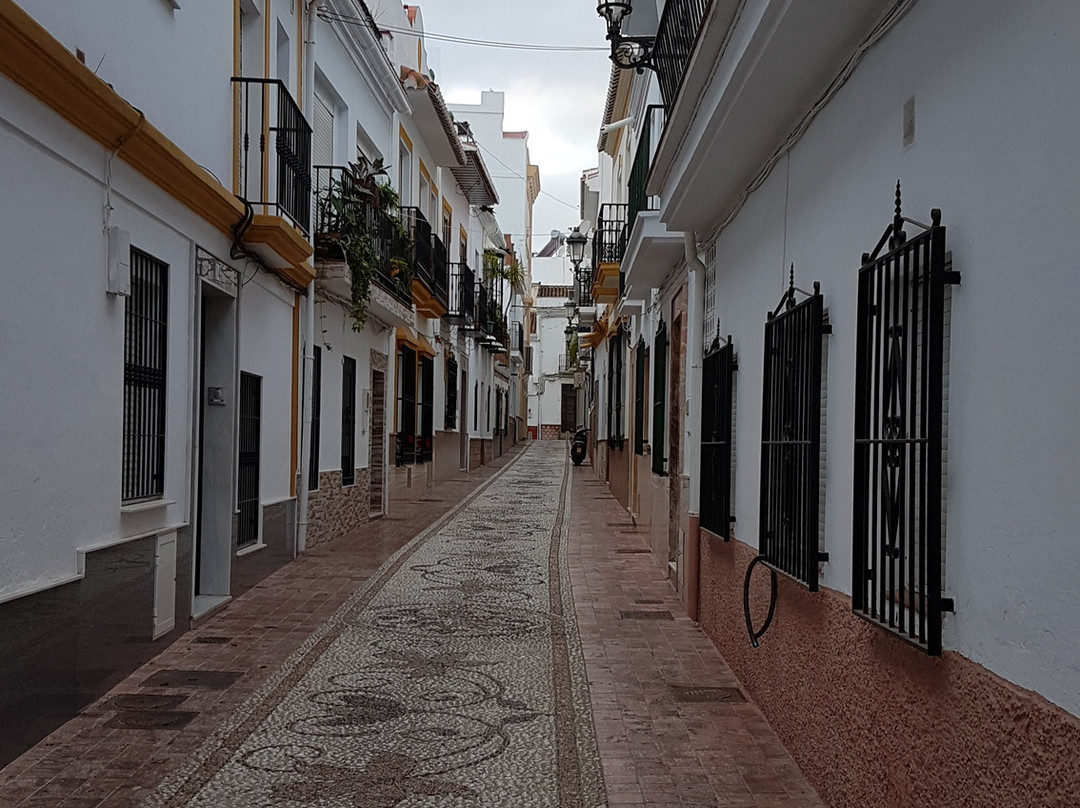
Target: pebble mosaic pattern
(454, 678)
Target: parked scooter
(578, 447)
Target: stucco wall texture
(872, 720)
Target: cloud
(558, 97)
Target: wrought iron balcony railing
(517, 337)
(675, 37)
(609, 241)
(439, 268)
(418, 230)
(461, 300)
(340, 207)
(271, 124)
(482, 308)
(639, 171)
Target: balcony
(651, 251)
(609, 246)
(349, 221)
(675, 39)
(461, 300)
(427, 260)
(275, 152)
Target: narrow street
(511, 644)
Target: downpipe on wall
(692, 457)
(309, 320)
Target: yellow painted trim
(419, 55)
(425, 174)
(43, 67)
(285, 240)
(405, 137)
(425, 301)
(294, 450)
(419, 343)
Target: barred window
(450, 416)
(791, 438)
(248, 460)
(427, 409)
(145, 353)
(900, 418)
(718, 369)
(348, 420)
(659, 415)
(406, 406)
(615, 387)
(639, 398)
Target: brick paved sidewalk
(91, 762)
(647, 664)
(656, 747)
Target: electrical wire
(331, 16)
(890, 19)
(495, 157)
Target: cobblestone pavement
(457, 668)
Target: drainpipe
(309, 318)
(692, 455)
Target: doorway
(215, 494)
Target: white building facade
(842, 406)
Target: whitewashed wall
(127, 43)
(995, 150)
(62, 416)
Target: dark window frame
(660, 393)
(899, 477)
(718, 371)
(146, 338)
(451, 410)
(249, 459)
(639, 397)
(405, 428)
(789, 505)
(316, 421)
(348, 420)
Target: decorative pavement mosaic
(454, 677)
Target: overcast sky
(558, 97)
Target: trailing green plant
(354, 212)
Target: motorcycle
(578, 447)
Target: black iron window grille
(789, 524)
(616, 436)
(637, 199)
(899, 419)
(679, 26)
(146, 337)
(659, 413)
(247, 477)
(718, 375)
(639, 397)
(427, 409)
(271, 118)
(406, 406)
(348, 420)
(316, 409)
(450, 414)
